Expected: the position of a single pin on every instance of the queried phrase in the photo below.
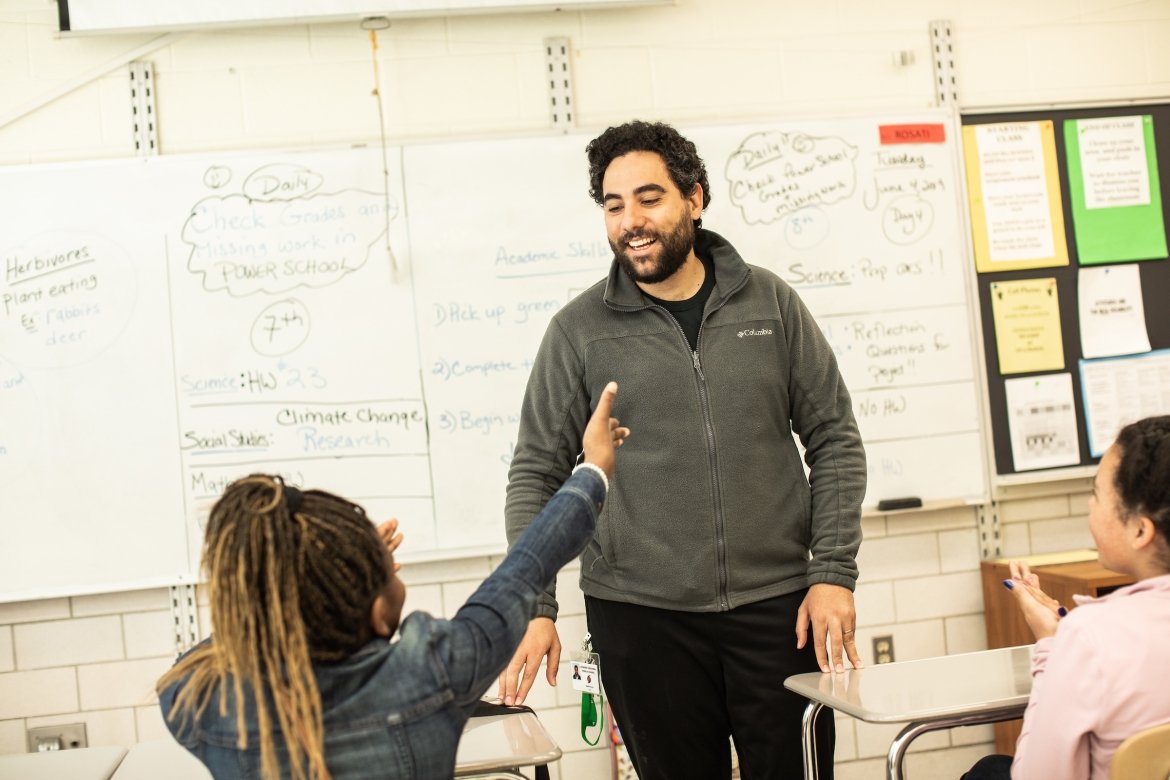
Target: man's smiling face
(649, 223)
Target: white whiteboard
(184, 321)
(89, 462)
(170, 324)
(503, 235)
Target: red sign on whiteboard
(913, 134)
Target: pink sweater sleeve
(1063, 706)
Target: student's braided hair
(1143, 473)
(292, 577)
(682, 159)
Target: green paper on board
(1108, 151)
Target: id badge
(585, 674)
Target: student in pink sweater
(1097, 673)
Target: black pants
(993, 767)
(680, 682)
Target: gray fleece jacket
(710, 508)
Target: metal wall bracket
(946, 90)
(560, 82)
(142, 108)
(990, 538)
(185, 617)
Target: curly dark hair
(682, 160)
(1143, 471)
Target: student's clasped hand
(388, 533)
(603, 434)
(1041, 611)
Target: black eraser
(889, 504)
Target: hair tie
(293, 498)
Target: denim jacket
(397, 710)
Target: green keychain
(589, 718)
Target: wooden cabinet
(1061, 576)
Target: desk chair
(1143, 756)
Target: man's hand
(539, 640)
(834, 620)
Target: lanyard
(589, 683)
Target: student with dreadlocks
(304, 595)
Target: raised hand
(604, 433)
(388, 533)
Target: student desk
(95, 763)
(161, 758)
(930, 694)
(489, 744)
(500, 742)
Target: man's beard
(673, 250)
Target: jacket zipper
(720, 526)
(709, 430)
(720, 522)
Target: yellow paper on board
(1014, 190)
(1026, 313)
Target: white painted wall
(94, 658)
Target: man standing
(714, 553)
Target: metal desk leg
(900, 744)
(914, 730)
(809, 739)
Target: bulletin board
(1153, 271)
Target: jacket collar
(731, 272)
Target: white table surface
(95, 763)
(161, 759)
(502, 741)
(928, 694)
(928, 689)
(488, 744)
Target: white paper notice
(1118, 391)
(1043, 421)
(1015, 192)
(1113, 162)
(1112, 315)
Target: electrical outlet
(63, 737)
(883, 649)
